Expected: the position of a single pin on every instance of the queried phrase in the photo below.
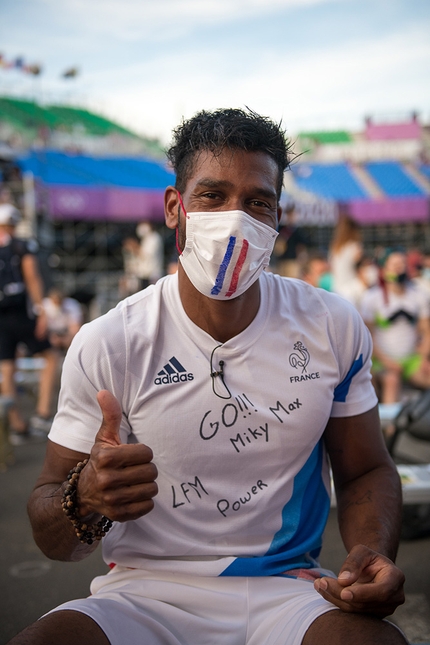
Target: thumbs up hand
(119, 479)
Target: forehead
(395, 259)
(238, 167)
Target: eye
(264, 211)
(259, 204)
(210, 195)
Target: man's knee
(338, 627)
(65, 627)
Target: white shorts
(133, 606)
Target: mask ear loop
(181, 205)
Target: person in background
(151, 255)
(397, 314)
(316, 271)
(367, 276)
(345, 251)
(421, 274)
(23, 320)
(64, 318)
(290, 250)
(130, 282)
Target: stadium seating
(26, 115)
(81, 170)
(392, 179)
(66, 126)
(324, 137)
(331, 181)
(93, 124)
(31, 115)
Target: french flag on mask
(225, 252)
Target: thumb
(112, 413)
(357, 560)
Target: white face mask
(225, 252)
(371, 275)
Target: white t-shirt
(395, 334)
(151, 257)
(243, 480)
(343, 267)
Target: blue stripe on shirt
(304, 517)
(341, 391)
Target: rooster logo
(300, 357)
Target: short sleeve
(96, 360)
(352, 343)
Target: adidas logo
(173, 372)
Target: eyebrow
(224, 183)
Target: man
(397, 313)
(22, 320)
(231, 383)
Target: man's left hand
(368, 583)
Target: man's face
(233, 180)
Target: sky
(147, 64)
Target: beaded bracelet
(86, 533)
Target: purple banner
(393, 131)
(390, 211)
(114, 204)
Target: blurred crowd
(390, 288)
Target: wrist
(38, 309)
(86, 532)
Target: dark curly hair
(227, 128)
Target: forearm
(32, 279)
(424, 347)
(53, 532)
(370, 510)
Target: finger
(385, 584)
(123, 467)
(331, 591)
(129, 503)
(112, 413)
(356, 562)
(131, 511)
(374, 604)
(119, 459)
(365, 594)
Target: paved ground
(31, 584)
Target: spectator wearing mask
(398, 316)
(367, 276)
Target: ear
(171, 207)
